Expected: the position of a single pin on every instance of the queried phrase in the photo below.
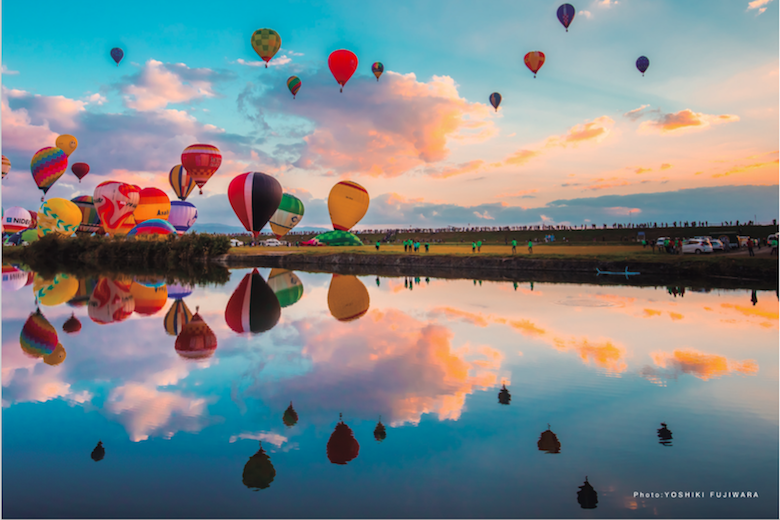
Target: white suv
(271, 242)
(696, 246)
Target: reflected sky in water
(324, 396)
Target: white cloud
(5, 70)
(271, 438)
(758, 4)
(586, 14)
(159, 85)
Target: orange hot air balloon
(196, 340)
(534, 61)
(153, 203)
(347, 297)
(201, 162)
(148, 300)
(342, 445)
(347, 204)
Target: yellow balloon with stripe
(347, 204)
(59, 216)
(55, 291)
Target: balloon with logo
(6, 166)
(55, 291)
(347, 204)
(80, 170)
(495, 100)
(286, 285)
(67, 143)
(201, 161)
(115, 202)
(534, 61)
(294, 84)
(90, 221)
(196, 340)
(342, 64)
(13, 278)
(266, 43)
(153, 203)
(642, 63)
(117, 54)
(111, 301)
(287, 215)
(347, 297)
(181, 182)
(566, 15)
(183, 215)
(377, 68)
(59, 216)
(47, 165)
(38, 337)
(16, 219)
(253, 307)
(255, 197)
(177, 317)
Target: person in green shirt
(514, 246)
(473, 247)
(405, 246)
(416, 247)
(377, 245)
(479, 246)
(427, 245)
(530, 246)
(773, 243)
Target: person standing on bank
(750, 247)
(377, 245)
(530, 246)
(514, 246)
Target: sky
(589, 140)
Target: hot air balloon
(86, 286)
(181, 182)
(177, 291)
(294, 84)
(342, 64)
(587, 496)
(34, 217)
(177, 317)
(255, 197)
(99, 452)
(253, 307)
(90, 221)
(183, 216)
(17, 219)
(347, 204)
(47, 165)
(126, 227)
(38, 337)
(58, 216)
(504, 396)
(80, 169)
(342, 445)
(377, 68)
(55, 291)
(67, 143)
(72, 325)
(664, 435)
(266, 43)
(549, 442)
(13, 278)
(150, 281)
(148, 300)
(347, 297)
(6, 166)
(495, 100)
(287, 215)
(566, 15)
(290, 417)
(258, 471)
(117, 54)
(534, 61)
(196, 340)
(642, 63)
(201, 161)
(380, 433)
(111, 301)
(29, 235)
(115, 202)
(153, 203)
(287, 287)
(152, 229)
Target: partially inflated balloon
(196, 340)
(117, 54)
(347, 204)
(38, 337)
(183, 216)
(90, 221)
(342, 64)
(80, 169)
(534, 61)
(115, 202)
(181, 182)
(55, 291)
(201, 161)
(642, 63)
(47, 165)
(152, 229)
(253, 307)
(495, 100)
(287, 215)
(286, 285)
(148, 300)
(294, 84)
(177, 317)
(67, 143)
(59, 216)
(6, 166)
(377, 68)
(152, 204)
(266, 43)
(255, 197)
(16, 219)
(566, 15)
(347, 297)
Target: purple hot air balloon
(117, 54)
(566, 15)
(642, 63)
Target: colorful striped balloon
(111, 301)
(201, 162)
(16, 219)
(38, 337)
(47, 165)
(6, 166)
(377, 68)
(115, 203)
(253, 307)
(152, 204)
(153, 228)
(181, 182)
(183, 216)
(177, 317)
(148, 300)
(90, 221)
(294, 84)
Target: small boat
(627, 273)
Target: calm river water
(225, 401)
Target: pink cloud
(758, 4)
(451, 171)
(702, 365)
(157, 86)
(682, 121)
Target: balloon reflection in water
(196, 340)
(549, 442)
(56, 357)
(13, 278)
(342, 445)
(253, 307)
(148, 300)
(86, 286)
(38, 337)
(347, 297)
(55, 291)
(286, 285)
(664, 435)
(177, 317)
(72, 325)
(587, 496)
(380, 433)
(258, 471)
(290, 417)
(177, 291)
(504, 396)
(111, 301)
(99, 452)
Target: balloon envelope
(336, 238)
(16, 219)
(286, 285)
(72, 325)
(342, 64)
(177, 317)
(495, 100)
(38, 337)
(566, 15)
(55, 291)
(183, 215)
(253, 307)
(377, 68)
(196, 340)
(80, 169)
(117, 54)
(115, 202)
(47, 165)
(342, 445)
(347, 297)
(148, 300)
(255, 197)
(294, 84)
(111, 301)
(201, 161)
(534, 61)
(290, 417)
(67, 143)
(287, 215)
(266, 43)
(6, 166)
(258, 471)
(178, 291)
(153, 203)
(90, 221)
(58, 216)
(181, 182)
(155, 228)
(347, 204)
(13, 278)
(642, 63)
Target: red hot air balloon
(72, 325)
(80, 169)
(534, 61)
(196, 340)
(342, 445)
(201, 162)
(255, 197)
(253, 307)
(342, 64)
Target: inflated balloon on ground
(59, 216)
(16, 219)
(155, 228)
(153, 203)
(90, 221)
(183, 215)
(115, 202)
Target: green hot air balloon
(287, 215)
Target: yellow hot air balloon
(58, 216)
(67, 143)
(347, 203)
(347, 297)
(56, 357)
(148, 300)
(55, 291)
(154, 203)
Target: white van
(272, 242)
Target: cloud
(641, 170)
(586, 14)
(606, 3)
(269, 437)
(758, 4)
(748, 168)
(523, 194)
(635, 114)
(683, 121)
(250, 63)
(701, 365)
(666, 166)
(484, 215)
(5, 70)
(451, 171)
(602, 353)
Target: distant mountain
(222, 228)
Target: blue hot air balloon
(642, 63)
(495, 100)
(566, 15)
(117, 54)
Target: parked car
(272, 242)
(696, 246)
(235, 243)
(717, 245)
(660, 241)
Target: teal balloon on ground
(334, 238)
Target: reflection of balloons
(177, 291)
(642, 63)
(253, 307)
(342, 445)
(534, 61)
(111, 301)
(86, 286)
(254, 196)
(80, 169)
(148, 300)
(377, 68)
(549, 442)
(286, 285)
(196, 340)
(67, 143)
(504, 396)
(177, 317)
(347, 204)
(294, 84)
(6, 166)
(347, 297)
(99, 452)
(152, 203)
(290, 417)
(258, 471)
(154, 228)
(287, 215)
(495, 100)
(566, 15)
(90, 221)
(55, 291)
(117, 54)
(115, 202)
(16, 219)
(183, 216)
(13, 278)
(56, 357)
(266, 43)
(201, 161)
(342, 64)
(58, 216)
(587, 496)
(664, 435)
(47, 165)
(72, 325)
(380, 433)
(150, 281)
(181, 182)
(38, 337)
